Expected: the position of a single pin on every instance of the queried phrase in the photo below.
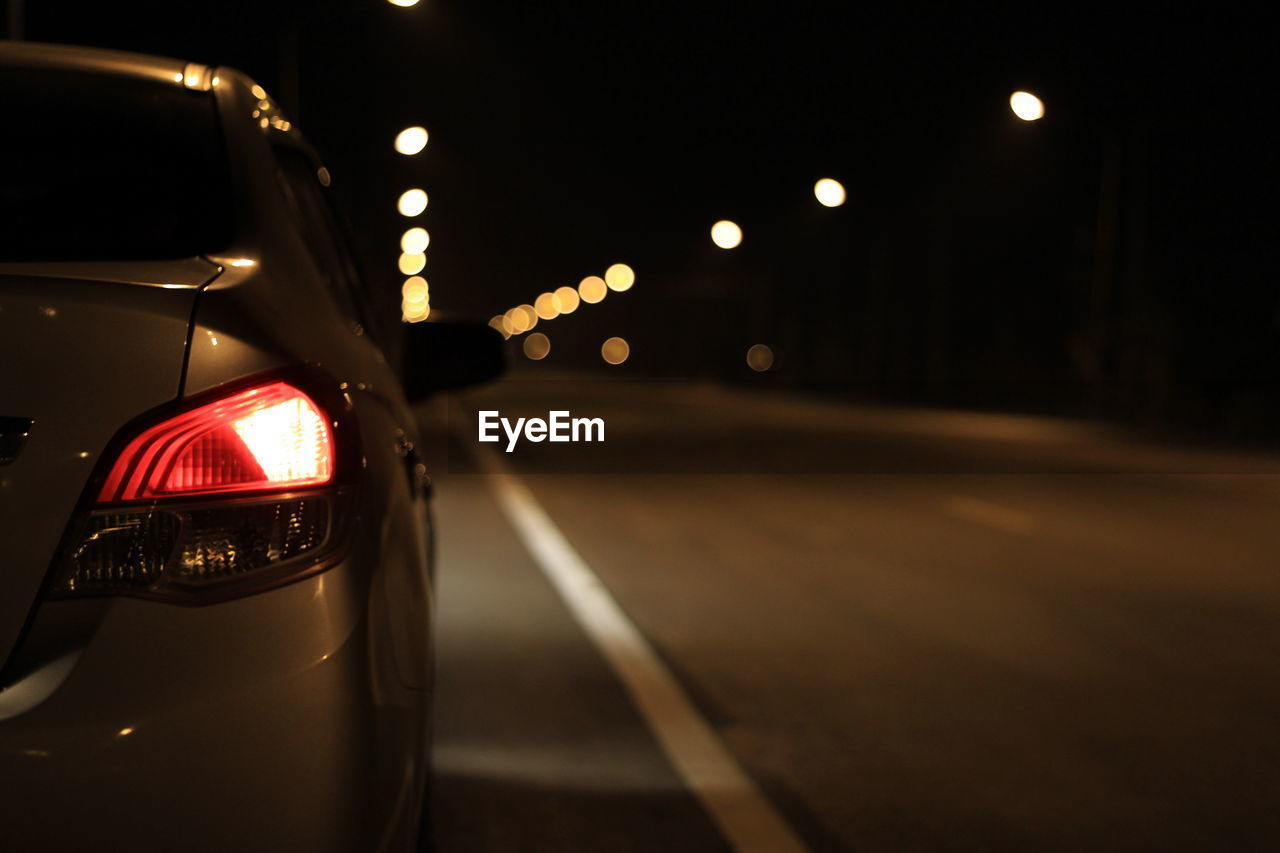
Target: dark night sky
(568, 135)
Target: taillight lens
(269, 437)
(232, 496)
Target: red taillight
(272, 437)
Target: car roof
(97, 60)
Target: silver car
(216, 601)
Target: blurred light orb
(615, 350)
(412, 263)
(500, 324)
(829, 192)
(726, 234)
(537, 346)
(415, 240)
(525, 317)
(514, 321)
(519, 323)
(547, 306)
(415, 312)
(405, 4)
(592, 289)
(568, 299)
(619, 277)
(411, 140)
(412, 202)
(760, 358)
(1026, 106)
(415, 289)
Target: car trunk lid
(84, 349)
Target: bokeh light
(412, 202)
(568, 299)
(415, 310)
(615, 350)
(726, 234)
(1026, 106)
(760, 358)
(411, 140)
(619, 277)
(415, 289)
(547, 305)
(537, 346)
(500, 323)
(412, 263)
(415, 303)
(415, 240)
(592, 289)
(829, 192)
(514, 319)
(523, 318)
(403, 3)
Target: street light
(411, 140)
(404, 4)
(502, 325)
(523, 318)
(537, 346)
(592, 289)
(412, 202)
(726, 234)
(619, 277)
(415, 289)
(415, 301)
(760, 357)
(1026, 106)
(829, 192)
(569, 299)
(412, 263)
(615, 350)
(547, 306)
(415, 240)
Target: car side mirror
(444, 355)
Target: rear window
(99, 167)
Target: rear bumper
(263, 723)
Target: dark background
(566, 136)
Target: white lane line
(747, 819)
(990, 514)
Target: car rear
(212, 619)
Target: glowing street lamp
(412, 263)
(829, 192)
(547, 306)
(537, 346)
(726, 234)
(415, 289)
(619, 277)
(569, 299)
(592, 289)
(411, 140)
(1026, 106)
(760, 357)
(415, 240)
(615, 350)
(412, 202)
(405, 4)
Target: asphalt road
(914, 630)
